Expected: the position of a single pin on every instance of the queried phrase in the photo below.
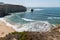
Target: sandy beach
(4, 29)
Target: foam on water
(38, 9)
(1, 18)
(53, 18)
(8, 24)
(27, 19)
(37, 26)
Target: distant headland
(6, 9)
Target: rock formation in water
(5, 9)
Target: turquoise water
(50, 14)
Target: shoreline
(8, 24)
(14, 28)
(4, 29)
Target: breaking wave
(38, 9)
(36, 26)
(27, 19)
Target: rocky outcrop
(5, 9)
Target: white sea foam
(27, 19)
(38, 9)
(8, 24)
(53, 18)
(1, 18)
(37, 26)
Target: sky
(34, 3)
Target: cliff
(5, 9)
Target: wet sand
(4, 29)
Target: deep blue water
(50, 14)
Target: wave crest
(34, 26)
(39, 26)
(27, 19)
(38, 9)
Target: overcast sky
(34, 3)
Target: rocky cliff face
(5, 9)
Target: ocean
(42, 19)
(50, 14)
